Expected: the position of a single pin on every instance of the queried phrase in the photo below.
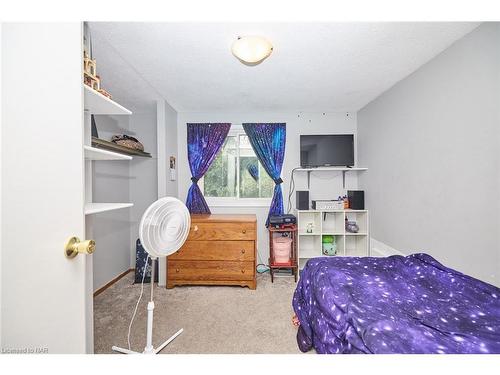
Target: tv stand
(328, 169)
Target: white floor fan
(163, 230)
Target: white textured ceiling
(314, 66)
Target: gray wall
(111, 230)
(143, 173)
(172, 188)
(166, 147)
(115, 232)
(431, 145)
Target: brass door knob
(74, 246)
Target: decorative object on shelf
(127, 141)
(309, 227)
(101, 143)
(351, 226)
(105, 93)
(346, 202)
(94, 127)
(93, 83)
(90, 77)
(89, 66)
(329, 245)
(203, 143)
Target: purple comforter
(397, 304)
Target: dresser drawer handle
(177, 270)
(244, 231)
(243, 251)
(195, 228)
(242, 271)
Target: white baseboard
(380, 249)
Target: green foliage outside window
(225, 179)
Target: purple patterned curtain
(204, 142)
(268, 143)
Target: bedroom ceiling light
(251, 50)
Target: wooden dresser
(220, 250)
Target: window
(236, 173)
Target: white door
(44, 295)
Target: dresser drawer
(209, 270)
(216, 250)
(221, 231)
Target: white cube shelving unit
(331, 222)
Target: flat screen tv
(327, 150)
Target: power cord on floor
(263, 268)
(138, 301)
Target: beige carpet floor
(215, 319)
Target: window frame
(235, 131)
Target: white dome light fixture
(251, 50)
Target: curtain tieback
(195, 180)
(278, 181)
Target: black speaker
(356, 199)
(302, 200)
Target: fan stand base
(149, 349)
(146, 349)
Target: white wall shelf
(93, 153)
(98, 104)
(95, 208)
(326, 169)
(329, 169)
(331, 223)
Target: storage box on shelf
(331, 223)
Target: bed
(397, 304)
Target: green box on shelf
(329, 245)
